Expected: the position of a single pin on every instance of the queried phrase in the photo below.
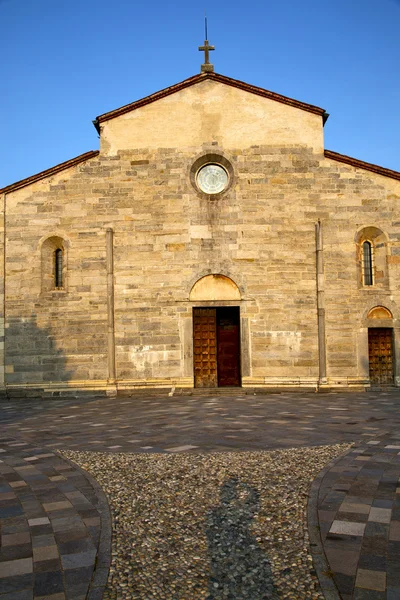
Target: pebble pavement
(215, 526)
(55, 522)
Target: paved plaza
(56, 525)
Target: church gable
(211, 242)
(211, 110)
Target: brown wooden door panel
(380, 343)
(228, 337)
(204, 347)
(216, 347)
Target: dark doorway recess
(380, 344)
(216, 347)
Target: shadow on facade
(240, 570)
(32, 356)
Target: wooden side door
(205, 347)
(228, 347)
(380, 342)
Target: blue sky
(65, 62)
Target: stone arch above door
(379, 312)
(214, 287)
(379, 315)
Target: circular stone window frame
(211, 159)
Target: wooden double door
(216, 347)
(380, 344)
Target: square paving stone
(394, 551)
(16, 567)
(379, 503)
(13, 539)
(13, 510)
(48, 583)
(72, 534)
(385, 493)
(394, 531)
(42, 529)
(380, 515)
(54, 506)
(396, 514)
(365, 489)
(342, 561)
(43, 540)
(82, 559)
(342, 487)
(95, 594)
(7, 496)
(351, 517)
(355, 507)
(88, 513)
(345, 583)
(16, 583)
(20, 595)
(371, 580)
(76, 546)
(95, 535)
(75, 577)
(393, 573)
(8, 553)
(76, 497)
(372, 562)
(16, 525)
(12, 477)
(347, 528)
(374, 545)
(45, 553)
(45, 566)
(92, 521)
(360, 594)
(38, 521)
(377, 530)
(67, 523)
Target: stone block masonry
(167, 235)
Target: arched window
(372, 261)
(54, 251)
(58, 268)
(368, 273)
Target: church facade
(211, 242)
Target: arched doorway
(380, 346)
(216, 333)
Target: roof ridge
(48, 172)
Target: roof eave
(49, 172)
(360, 164)
(96, 124)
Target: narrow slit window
(367, 263)
(58, 270)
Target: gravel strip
(210, 526)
